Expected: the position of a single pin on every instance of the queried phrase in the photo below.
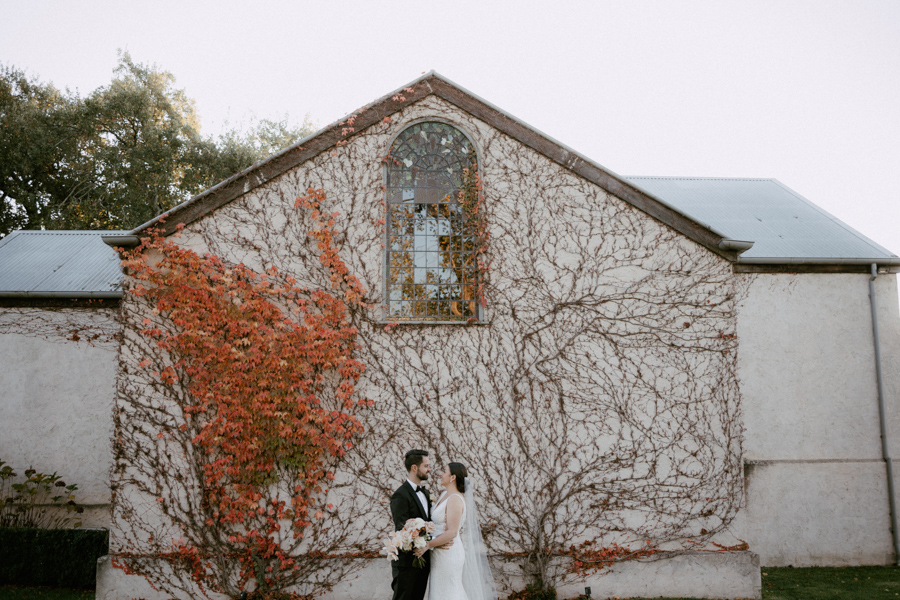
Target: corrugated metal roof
(73, 264)
(780, 222)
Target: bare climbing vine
(92, 326)
(596, 404)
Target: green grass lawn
(815, 583)
(826, 583)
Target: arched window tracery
(431, 262)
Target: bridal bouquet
(415, 534)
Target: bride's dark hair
(459, 470)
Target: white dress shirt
(422, 499)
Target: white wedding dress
(446, 582)
(463, 571)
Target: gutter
(885, 454)
(893, 261)
(125, 241)
(79, 294)
(738, 246)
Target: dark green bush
(51, 557)
(40, 500)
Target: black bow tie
(419, 488)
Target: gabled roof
(434, 84)
(785, 227)
(727, 216)
(59, 264)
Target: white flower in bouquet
(405, 539)
(391, 549)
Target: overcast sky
(807, 92)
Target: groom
(411, 500)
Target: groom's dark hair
(414, 457)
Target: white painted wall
(555, 238)
(816, 492)
(56, 398)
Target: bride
(462, 571)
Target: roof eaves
(678, 178)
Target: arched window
(431, 255)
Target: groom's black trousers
(409, 582)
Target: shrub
(41, 501)
(51, 557)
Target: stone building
(751, 304)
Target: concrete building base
(115, 584)
(730, 575)
(694, 575)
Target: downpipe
(885, 454)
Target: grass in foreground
(827, 583)
(781, 583)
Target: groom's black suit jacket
(405, 506)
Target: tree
(117, 158)
(38, 150)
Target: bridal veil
(478, 581)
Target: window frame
(385, 309)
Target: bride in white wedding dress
(462, 571)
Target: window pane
(400, 309)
